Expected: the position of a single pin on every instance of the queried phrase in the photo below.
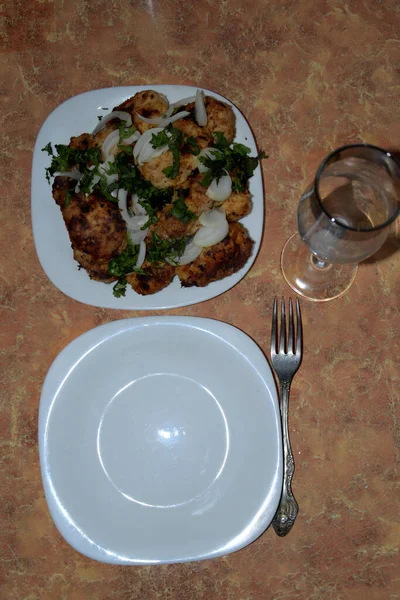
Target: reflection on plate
(52, 242)
(160, 441)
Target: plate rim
(131, 302)
(62, 366)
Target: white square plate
(79, 115)
(160, 441)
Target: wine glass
(343, 217)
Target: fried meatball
(170, 227)
(218, 261)
(156, 278)
(96, 269)
(197, 200)
(149, 104)
(87, 140)
(96, 228)
(220, 117)
(189, 127)
(82, 142)
(98, 138)
(237, 206)
(62, 185)
(153, 170)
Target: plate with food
(146, 197)
(149, 452)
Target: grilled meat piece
(218, 261)
(153, 169)
(82, 142)
(220, 117)
(95, 226)
(170, 227)
(155, 278)
(148, 104)
(189, 127)
(237, 206)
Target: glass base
(311, 278)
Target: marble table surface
(309, 76)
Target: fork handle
(288, 508)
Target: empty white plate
(160, 441)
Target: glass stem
(319, 264)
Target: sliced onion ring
(95, 181)
(208, 236)
(219, 191)
(180, 103)
(213, 218)
(109, 143)
(111, 178)
(73, 174)
(165, 120)
(115, 114)
(148, 152)
(144, 151)
(142, 255)
(137, 222)
(132, 138)
(200, 109)
(104, 167)
(192, 251)
(179, 115)
(122, 196)
(169, 111)
(138, 209)
(151, 120)
(143, 139)
(137, 236)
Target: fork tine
(274, 329)
(298, 329)
(290, 344)
(283, 327)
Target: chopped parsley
(125, 132)
(233, 159)
(192, 145)
(174, 139)
(121, 265)
(67, 198)
(159, 250)
(48, 149)
(177, 142)
(86, 181)
(66, 158)
(180, 209)
(220, 140)
(125, 262)
(119, 289)
(130, 179)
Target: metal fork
(285, 361)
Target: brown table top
(309, 77)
